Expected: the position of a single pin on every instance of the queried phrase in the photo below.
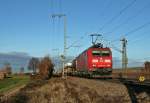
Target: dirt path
(5, 96)
(13, 91)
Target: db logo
(141, 78)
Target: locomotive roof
(98, 45)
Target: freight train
(94, 61)
(97, 61)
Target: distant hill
(16, 59)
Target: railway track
(133, 86)
(127, 78)
(132, 82)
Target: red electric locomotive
(96, 60)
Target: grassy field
(12, 82)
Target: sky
(28, 26)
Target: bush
(46, 68)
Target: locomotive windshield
(96, 53)
(105, 53)
(101, 53)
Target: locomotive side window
(100, 53)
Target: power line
(56, 8)
(77, 41)
(132, 31)
(106, 6)
(138, 28)
(116, 16)
(53, 32)
(128, 19)
(139, 38)
(52, 6)
(65, 39)
(82, 37)
(111, 45)
(60, 6)
(111, 20)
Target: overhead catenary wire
(53, 33)
(117, 15)
(111, 45)
(139, 37)
(138, 28)
(110, 2)
(106, 5)
(128, 19)
(132, 31)
(59, 3)
(56, 8)
(52, 6)
(85, 34)
(60, 6)
(53, 22)
(77, 41)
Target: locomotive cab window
(100, 53)
(96, 53)
(105, 53)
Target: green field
(12, 82)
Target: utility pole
(123, 51)
(56, 51)
(65, 39)
(124, 54)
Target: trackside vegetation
(13, 82)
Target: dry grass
(72, 90)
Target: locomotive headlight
(94, 65)
(95, 60)
(107, 61)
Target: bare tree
(33, 64)
(46, 68)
